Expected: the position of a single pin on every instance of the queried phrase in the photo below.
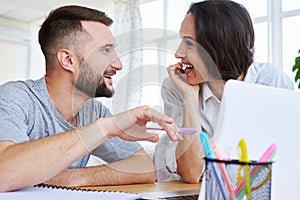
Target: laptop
(192, 194)
(263, 115)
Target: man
(50, 126)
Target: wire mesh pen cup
(237, 180)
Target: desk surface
(146, 188)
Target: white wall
(20, 53)
(14, 50)
(14, 59)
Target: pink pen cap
(269, 153)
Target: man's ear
(67, 59)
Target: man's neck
(66, 98)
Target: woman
(217, 45)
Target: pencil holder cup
(237, 180)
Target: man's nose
(116, 63)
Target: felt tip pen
(267, 156)
(269, 153)
(210, 154)
(244, 158)
(181, 130)
(223, 170)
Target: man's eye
(107, 50)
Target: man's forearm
(136, 169)
(29, 163)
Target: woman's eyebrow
(187, 37)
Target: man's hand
(131, 125)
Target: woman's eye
(189, 43)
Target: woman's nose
(179, 54)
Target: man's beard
(91, 83)
(102, 90)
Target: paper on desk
(202, 189)
(36, 193)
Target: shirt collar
(207, 94)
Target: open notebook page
(37, 193)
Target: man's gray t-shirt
(27, 113)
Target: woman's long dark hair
(225, 30)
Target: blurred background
(276, 25)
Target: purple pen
(181, 130)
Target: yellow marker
(243, 157)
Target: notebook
(46, 192)
(262, 115)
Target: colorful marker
(244, 158)
(266, 157)
(223, 170)
(210, 154)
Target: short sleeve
(116, 149)
(14, 110)
(274, 76)
(269, 75)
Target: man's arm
(135, 169)
(37, 161)
(33, 162)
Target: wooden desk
(146, 188)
